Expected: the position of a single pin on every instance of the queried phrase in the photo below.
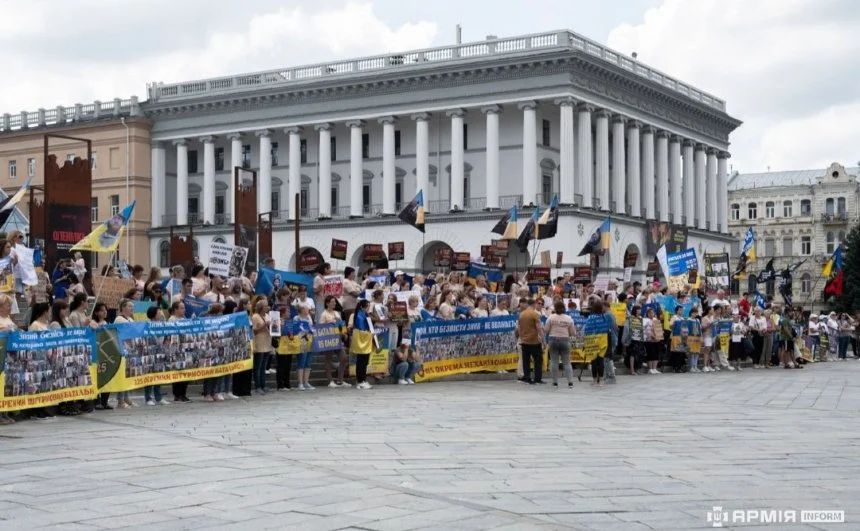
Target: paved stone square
(653, 452)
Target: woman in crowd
(652, 329)
(636, 352)
(6, 325)
(814, 332)
(180, 389)
(331, 316)
(737, 349)
(212, 385)
(303, 364)
(125, 315)
(677, 358)
(78, 311)
(405, 364)
(786, 341)
(361, 343)
(199, 282)
(323, 271)
(560, 332)
(482, 308)
(98, 320)
(260, 322)
(758, 330)
(846, 332)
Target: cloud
(781, 66)
(121, 65)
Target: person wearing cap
(400, 283)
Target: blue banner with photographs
(45, 368)
(269, 281)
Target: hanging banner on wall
(464, 346)
(663, 232)
(45, 368)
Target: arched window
(831, 242)
(752, 211)
(736, 212)
(164, 254)
(806, 283)
(769, 210)
(786, 209)
(829, 206)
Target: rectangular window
(274, 152)
(398, 195)
(397, 143)
(787, 247)
(303, 201)
(219, 159)
(545, 136)
(786, 209)
(113, 155)
(465, 136)
(94, 161)
(31, 167)
(769, 210)
(365, 145)
(303, 149)
(192, 161)
(334, 200)
(805, 207)
(276, 201)
(94, 210)
(114, 205)
(193, 203)
(333, 149)
(219, 205)
(13, 169)
(365, 198)
(246, 156)
(806, 245)
(770, 247)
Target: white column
(324, 170)
(356, 171)
(601, 177)
(566, 185)
(689, 177)
(422, 154)
(661, 165)
(388, 177)
(208, 179)
(159, 176)
(648, 188)
(295, 170)
(634, 184)
(701, 195)
(584, 173)
(530, 179)
(457, 184)
(723, 190)
(713, 198)
(492, 154)
(675, 179)
(618, 167)
(264, 176)
(235, 161)
(181, 182)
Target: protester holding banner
(303, 365)
(331, 316)
(126, 315)
(560, 332)
(323, 271)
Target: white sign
(25, 268)
(403, 296)
(628, 274)
(227, 260)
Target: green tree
(849, 302)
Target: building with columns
(120, 161)
(796, 215)
(478, 127)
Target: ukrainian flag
(106, 237)
(413, 213)
(749, 244)
(834, 264)
(507, 226)
(599, 240)
(362, 334)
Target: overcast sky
(790, 69)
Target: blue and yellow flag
(105, 239)
(361, 340)
(547, 225)
(749, 245)
(413, 213)
(599, 240)
(834, 264)
(507, 226)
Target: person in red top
(744, 306)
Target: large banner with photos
(464, 346)
(45, 368)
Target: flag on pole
(833, 264)
(105, 239)
(599, 240)
(768, 274)
(413, 213)
(759, 300)
(507, 226)
(547, 225)
(7, 206)
(528, 232)
(833, 288)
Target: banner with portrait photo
(717, 272)
(464, 346)
(660, 233)
(269, 281)
(594, 340)
(162, 352)
(686, 336)
(45, 368)
(227, 260)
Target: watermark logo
(718, 516)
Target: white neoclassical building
(478, 127)
(797, 215)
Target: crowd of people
(726, 334)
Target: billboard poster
(662, 232)
(67, 225)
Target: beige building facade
(120, 137)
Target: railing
(577, 199)
(550, 41)
(595, 203)
(507, 201)
(839, 217)
(71, 113)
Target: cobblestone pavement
(653, 452)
